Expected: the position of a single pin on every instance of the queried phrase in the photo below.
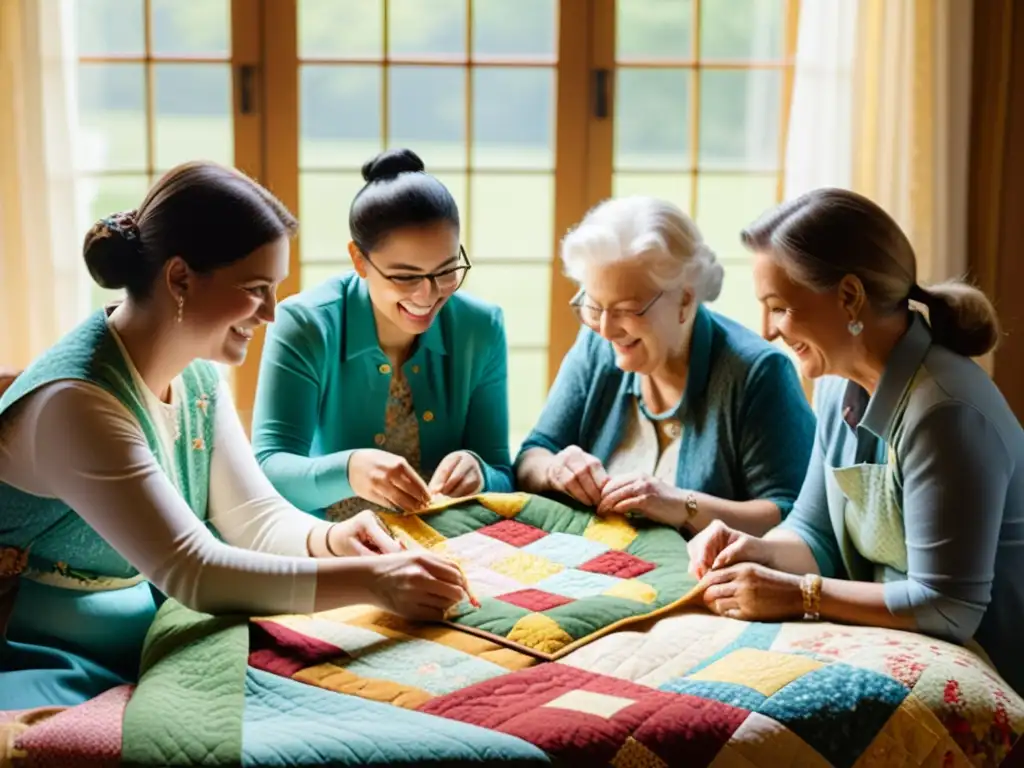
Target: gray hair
(649, 229)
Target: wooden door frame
(266, 106)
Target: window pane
(194, 28)
(674, 187)
(193, 114)
(522, 291)
(528, 388)
(739, 119)
(742, 29)
(654, 29)
(112, 117)
(738, 300)
(324, 200)
(652, 119)
(340, 121)
(513, 118)
(456, 183)
(418, 28)
(110, 27)
(427, 107)
(100, 196)
(341, 29)
(312, 275)
(512, 216)
(727, 204)
(523, 28)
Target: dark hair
(208, 214)
(828, 233)
(398, 194)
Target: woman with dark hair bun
(121, 454)
(384, 387)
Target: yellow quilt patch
(611, 530)
(764, 671)
(535, 630)
(526, 568)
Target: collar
(877, 413)
(361, 325)
(700, 360)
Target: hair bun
(112, 250)
(390, 163)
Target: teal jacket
(324, 381)
(747, 426)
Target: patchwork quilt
(200, 702)
(358, 686)
(549, 578)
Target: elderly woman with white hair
(663, 407)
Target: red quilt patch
(282, 651)
(586, 718)
(617, 563)
(534, 599)
(513, 532)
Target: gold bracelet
(327, 541)
(810, 588)
(691, 506)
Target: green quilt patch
(549, 577)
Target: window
(498, 98)
(469, 85)
(154, 89)
(699, 118)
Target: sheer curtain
(881, 105)
(43, 292)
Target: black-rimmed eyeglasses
(445, 280)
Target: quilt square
(766, 672)
(513, 532)
(617, 563)
(567, 549)
(526, 568)
(476, 548)
(534, 599)
(421, 664)
(577, 584)
(488, 583)
(837, 709)
(634, 590)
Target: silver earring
(181, 306)
(855, 327)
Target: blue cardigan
(324, 381)
(747, 426)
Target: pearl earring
(181, 306)
(855, 327)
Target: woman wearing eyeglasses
(384, 387)
(663, 407)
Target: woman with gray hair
(912, 513)
(663, 407)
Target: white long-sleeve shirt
(74, 441)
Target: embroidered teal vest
(53, 540)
